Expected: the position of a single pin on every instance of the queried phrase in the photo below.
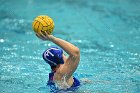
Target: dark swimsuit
(54, 89)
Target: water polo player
(63, 67)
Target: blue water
(106, 31)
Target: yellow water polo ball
(42, 24)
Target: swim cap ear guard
(53, 56)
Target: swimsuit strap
(51, 83)
(51, 76)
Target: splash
(62, 84)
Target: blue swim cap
(53, 56)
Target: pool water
(106, 31)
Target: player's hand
(44, 36)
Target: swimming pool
(106, 31)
